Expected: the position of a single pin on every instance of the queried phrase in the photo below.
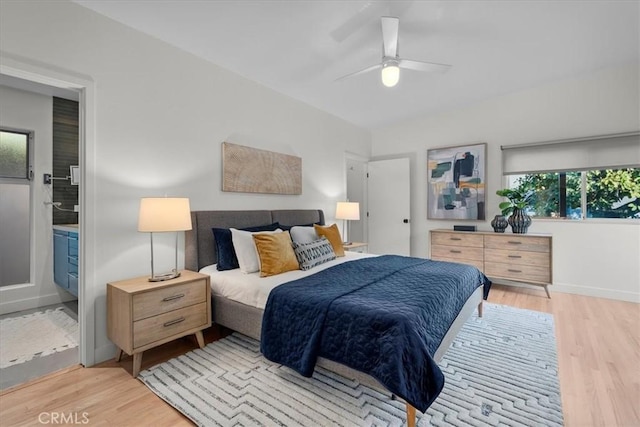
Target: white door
(389, 207)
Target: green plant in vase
(518, 202)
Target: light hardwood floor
(598, 351)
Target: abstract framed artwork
(456, 182)
(251, 170)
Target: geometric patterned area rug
(501, 370)
(37, 334)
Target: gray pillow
(303, 234)
(315, 253)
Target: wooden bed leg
(411, 416)
(480, 309)
(546, 289)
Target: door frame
(35, 71)
(348, 155)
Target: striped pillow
(315, 253)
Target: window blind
(598, 152)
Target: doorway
(356, 178)
(39, 320)
(56, 79)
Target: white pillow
(303, 234)
(245, 248)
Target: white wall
(33, 112)
(161, 115)
(599, 258)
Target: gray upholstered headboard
(200, 248)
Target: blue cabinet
(65, 260)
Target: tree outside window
(609, 193)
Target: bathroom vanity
(65, 257)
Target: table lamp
(347, 211)
(160, 215)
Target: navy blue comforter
(384, 316)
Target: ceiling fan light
(390, 75)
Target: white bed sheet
(253, 290)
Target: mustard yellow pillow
(276, 253)
(333, 236)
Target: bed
(247, 318)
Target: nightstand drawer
(156, 328)
(457, 239)
(460, 253)
(162, 300)
(525, 273)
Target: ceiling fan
(391, 62)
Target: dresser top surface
(489, 232)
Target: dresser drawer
(162, 300)
(521, 243)
(515, 272)
(515, 257)
(457, 239)
(457, 252)
(149, 330)
(478, 264)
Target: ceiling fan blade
(366, 70)
(365, 15)
(390, 36)
(423, 66)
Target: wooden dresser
(142, 314)
(523, 258)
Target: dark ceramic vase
(499, 223)
(519, 221)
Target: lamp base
(166, 276)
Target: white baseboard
(578, 290)
(33, 302)
(596, 292)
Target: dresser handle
(174, 322)
(515, 256)
(455, 238)
(173, 297)
(514, 271)
(455, 252)
(514, 242)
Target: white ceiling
(299, 48)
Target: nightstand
(142, 314)
(356, 247)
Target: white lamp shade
(164, 214)
(348, 210)
(390, 75)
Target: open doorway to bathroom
(39, 329)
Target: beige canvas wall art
(251, 170)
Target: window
(609, 193)
(613, 193)
(15, 207)
(594, 177)
(14, 154)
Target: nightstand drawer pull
(174, 297)
(514, 271)
(515, 256)
(455, 238)
(514, 242)
(455, 252)
(174, 322)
